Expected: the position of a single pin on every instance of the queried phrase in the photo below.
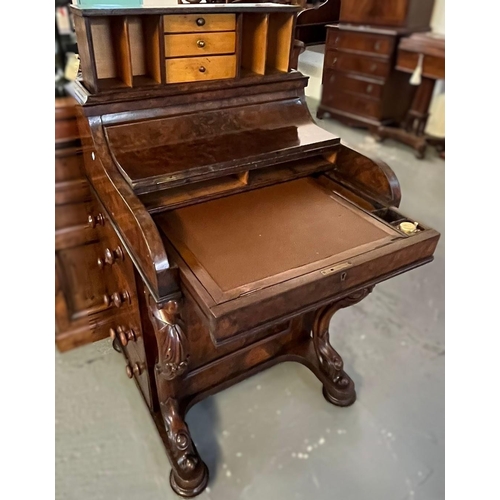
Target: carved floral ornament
(172, 342)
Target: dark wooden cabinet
(232, 227)
(360, 83)
(80, 314)
(411, 14)
(361, 86)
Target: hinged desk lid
(194, 145)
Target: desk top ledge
(187, 9)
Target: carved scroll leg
(338, 387)
(189, 475)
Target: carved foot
(338, 387)
(189, 475)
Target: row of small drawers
(199, 47)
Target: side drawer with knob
(334, 81)
(362, 65)
(364, 43)
(127, 338)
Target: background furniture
(310, 27)
(428, 52)
(78, 294)
(360, 83)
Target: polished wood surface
(311, 23)
(232, 228)
(408, 13)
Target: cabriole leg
(189, 475)
(338, 387)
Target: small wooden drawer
(71, 215)
(192, 69)
(356, 64)
(137, 365)
(188, 23)
(352, 103)
(199, 44)
(432, 67)
(377, 45)
(356, 85)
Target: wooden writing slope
(232, 227)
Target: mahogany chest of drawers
(360, 83)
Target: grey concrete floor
(274, 437)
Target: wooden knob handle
(202, 69)
(96, 220)
(128, 371)
(200, 43)
(126, 336)
(100, 263)
(373, 67)
(117, 299)
(111, 256)
(369, 89)
(200, 21)
(378, 45)
(137, 369)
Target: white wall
(437, 21)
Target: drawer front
(71, 215)
(352, 103)
(357, 64)
(334, 81)
(194, 44)
(377, 45)
(188, 23)
(66, 130)
(68, 164)
(136, 357)
(432, 67)
(193, 69)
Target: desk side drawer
(432, 67)
(376, 45)
(192, 69)
(188, 23)
(200, 44)
(334, 81)
(351, 103)
(350, 63)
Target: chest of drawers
(360, 85)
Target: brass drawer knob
(202, 69)
(337, 40)
(200, 21)
(97, 220)
(373, 67)
(369, 89)
(200, 43)
(100, 263)
(128, 371)
(378, 45)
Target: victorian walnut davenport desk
(232, 226)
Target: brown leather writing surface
(252, 236)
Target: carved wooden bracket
(328, 357)
(172, 343)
